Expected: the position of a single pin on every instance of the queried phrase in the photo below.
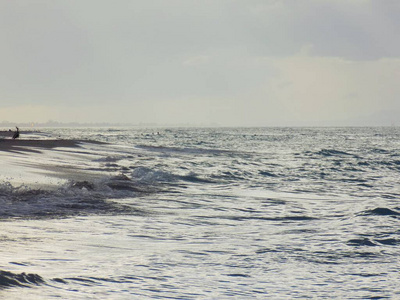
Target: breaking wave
(148, 175)
(72, 198)
(10, 279)
(99, 196)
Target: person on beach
(16, 134)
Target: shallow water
(277, 213)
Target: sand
(46, 163)
(33, 145)
(6, 133)
(30, 145)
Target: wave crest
(71, 198)
(10, 279)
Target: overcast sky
(230, 62)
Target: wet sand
(33, 163)
(31, 145)
(6, 133)
(10, 133)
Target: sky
(201, 62)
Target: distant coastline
(52, 124)
(383, 119)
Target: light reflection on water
(243, 213)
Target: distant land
(51, 123)
(383, 118)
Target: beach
(31, 145)
(40, 161)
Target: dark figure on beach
(16, 134)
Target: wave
(361, 242)
(262, 218)
(72, 198)
(10, 279)
(148, 175)
(373, 242)
(95, 196)
(192, 177)
(334, 152)
(184, 150)
(381, 211)
(267, 174)
(27, 280)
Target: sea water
(210, 213)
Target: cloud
(244, 62)
(356, 30)
(196, 60)
(311, 89)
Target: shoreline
(8, 145)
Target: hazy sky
(231, 62)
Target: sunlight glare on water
(184, 213)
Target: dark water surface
(244, 213)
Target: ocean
(200, 213)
